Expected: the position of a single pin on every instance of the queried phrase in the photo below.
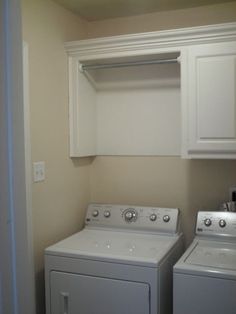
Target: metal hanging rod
(84, 67)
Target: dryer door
(80, 294)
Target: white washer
(205, 276)
(120, 263)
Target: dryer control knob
(153, 217)
(166, 218)
(95, 213)
(222, 223)
(130, 215)
(107, 214)
(207, 222)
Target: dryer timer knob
(130, 215)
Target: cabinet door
(80, 294)
(211, 101)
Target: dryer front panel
(74, 293)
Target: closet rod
(84, 67)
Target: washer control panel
(156, 219)
(216, 223)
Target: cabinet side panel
(86, 116)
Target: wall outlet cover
(39, 171)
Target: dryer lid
(115, 246)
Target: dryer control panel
(216, 223)
(153, 219)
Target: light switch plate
(39, 171)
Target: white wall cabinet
(186, 108)
(211, 101)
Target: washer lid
(208, 258)
(122, 247)
(219, 255)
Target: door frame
(16, 261)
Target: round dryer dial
(130, 214)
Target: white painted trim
(8, 301)
(16, 273)
(184, 101)
(137, 44)
(28, 175)
(28, 163)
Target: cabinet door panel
(211, 101)
(216, 98)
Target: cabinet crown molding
(121, 45)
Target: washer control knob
(107, 214)
(130, 215)
(166, 218)
(95, 213)
(153, 217)
(222, 223)
(207, 222)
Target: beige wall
(58, 202)
(220, 13)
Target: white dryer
(205, 276)
(120, 263)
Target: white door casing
(16, 273)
